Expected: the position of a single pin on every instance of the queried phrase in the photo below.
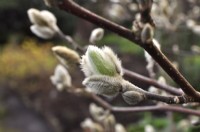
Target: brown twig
(178, 109)
(152, 82)
(161, 59)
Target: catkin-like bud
(119, 128)
(96, 35)
(133, 97)
(89, 126)
(147, 33)
(41, 18)
(96, 112)
(103, 85)
(44, 23)
(42, 32)
(61, 78)
(66, 56)
(109, 123)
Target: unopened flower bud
(66, 56)
(119, 128)
(98, 61)
(147, 33)
(149, 128)
(61, 78)
(42, 32)
(89, 126)
(96, 112)
(96, 35)
(103, 85)
(44, 23)
(109, 123)
(41, 18)
(133, 97)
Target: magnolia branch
(144, 108)
(128, 73)
(73, 8)
(115, 109)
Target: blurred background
(30, 103)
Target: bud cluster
(44, 23)
(103, 73)
(102, 121)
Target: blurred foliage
(191, 69)
(122, 44)
(28, 60)
(158, 123)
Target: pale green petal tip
(102, 63)
(103, 67)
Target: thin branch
(161, 59)
(177, 109)
(69, 40)
(138, 77)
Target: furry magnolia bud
(89, 126)
(96, 112)
(44, 23)
(96, 35)
(61, 78)
(66, 56)
(41, 18)
(131, 93)
(103, 85)
(147, 33)
(119, 128)
(42, 32)
(98, 61)
(133, 97)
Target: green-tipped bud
(98, 61)
(66, 56)
(133, 97)
(147, 33)
(61, 78)
(103, 85)
(96, 35)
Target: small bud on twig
(96, 35)
(44, 23)
(133, 97)
(89, 126)
(66, 56)
(61, 78)
(147, 33)
(103, 85)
